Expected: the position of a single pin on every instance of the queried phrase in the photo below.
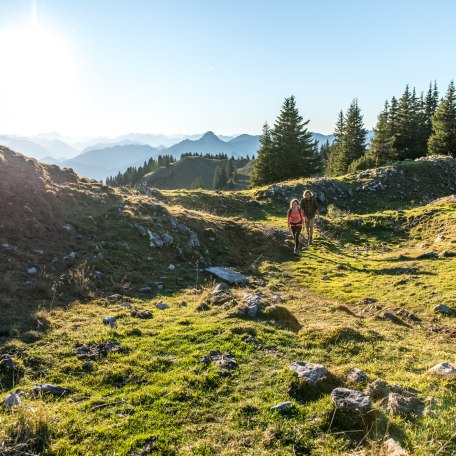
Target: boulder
(357, 376)
(444, 309)
(161, 305)
(110, 321)
(312, 372)
(12, 400)
(443, 369)
(46, 388)
(350, 400)
(402, 405)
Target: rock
(12, 400)
(183, 304)
(155, 240)
(227, 274)
(282, 407)
(144, 289)
(392, 448)
(46, 388)
(38, 251)
(402, 405)
(444, 309)
(221, 287)
(325, 277)
(142, 231)
(427, 256)
(171, 267)
(193, 241)
(439, 238)
(350, 400)
(226, 361)
(443, 369)
(447, 254)
(93, 350)
(276, 298)
(127, 305)
(248, 339)
(32, 271)
(67, 227)
(115, 297)
(144, 314)
(70, 256)
(313, 373)
(110, 321)
(378, 389)
(167, 239)
(357, 376)
(161, 305)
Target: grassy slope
(157, 387)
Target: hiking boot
(310, 241)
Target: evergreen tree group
(286, 151)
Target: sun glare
(38, 75)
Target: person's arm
(302, 218)
(288, 220)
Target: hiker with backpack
(310, 210)
(295, 222)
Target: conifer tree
(333, 165)
(220, 178)
(381, 148)
(263, 172)
(443, 138)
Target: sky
(111, 67)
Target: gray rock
(220, 288)
(193, 241)
(183, 304)
(46, 388)
(276, 298)
(167, 239)
(12, 400)
(227, 274)
(142, 231)
(443, 369)
(312, 372)
(115, 297)
(144, 289)
(155, 240)
(161, 305)
(32, 271)
(282, 407)
(357, 376)
(127, 305)
(402, 405)
(350, 400)
(378, 389)
(226, 361)
(444, 309)
(144, 314)
(110, 321)
(392, 448)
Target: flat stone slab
(351, 400)
(312, 372)
(282, 407)
(12, 400)
(227, 274)
(55, 390)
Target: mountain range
(98, 158)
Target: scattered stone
(110, 321)
(127, 305)
(32, 270)
(282, 407)
(444, 309)
(183, 304)
(12, 400)
(357, 376)
(167, 239)
(161, 305)
(144, 289)
(443, 369)
(378, 389)
(193, 241)
(155, 240)
(447, 254)
(46, 388)
(402, 390)
(93, 350)
(350, 400)
(392, 448)
(325, 277)
(171, 267)
(226, 361)
(439, 238)
(67, 227)
(144, 314)
(38, 251)
(115, 297)
(366, 301)
(248, 339)
(70, 256)
(313, 373)
(227, 274)
(276, 298)
(402, 405)
(142, 231)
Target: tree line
(407, 128)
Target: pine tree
(220, 178)
(262, 172)
(334, 165)
(381, 148)
(443, 138)
(325, 150)
(294, 150)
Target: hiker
(310, 210)
(295, 222)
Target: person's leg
(311, 228)
(307, 230)
(298, 232)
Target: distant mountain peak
(209, 135)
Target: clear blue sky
(108, 67)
